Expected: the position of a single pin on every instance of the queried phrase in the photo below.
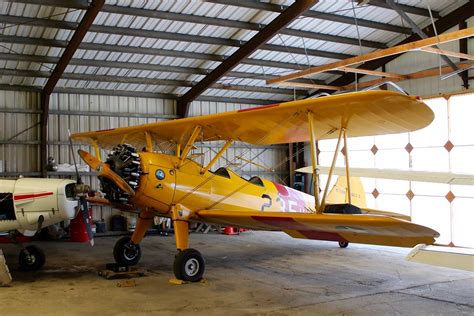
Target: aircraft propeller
(105, 171)
(81, 190)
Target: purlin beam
(315, 14)
(232, 23)
(140, 66)
(87, 20)
(144, 51)
(141, 94)
(442, 25)
(125, 31)
(146, 81)
(406, 8)
(259, 39)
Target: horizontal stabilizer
(400, 174)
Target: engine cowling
(125, 162)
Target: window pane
(392, 159)
(461, 112)
(463, 218)
(436, 134)
(430, 159)
(393, 203)
(433, 212)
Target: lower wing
(356, 228)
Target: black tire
(343, 244)
(189, 265)
(32, 262)
(126, 253)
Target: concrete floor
(254, 273)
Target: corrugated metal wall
(19, 111)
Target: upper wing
(357, 228)
(400, 174)
(362, 113)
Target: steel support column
(84, 25)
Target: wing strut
(314, 158)
(189, 144)
(348, 177)
(217, 156)
(331, 169)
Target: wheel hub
(191, 267)
(130, 252)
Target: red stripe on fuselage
(19, 197)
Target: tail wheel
(32, 259)
(343, 244)
(189, 265)
(126, 252)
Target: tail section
(338, 194)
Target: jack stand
(116, 271)
(5, 276)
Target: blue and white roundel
(160, 174)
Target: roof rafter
(258, 40)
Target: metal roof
(165, 47)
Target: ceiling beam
(147, 81)
(372, 72)
(442, 25)
(315, 14)
(160, 35)
(139, 94)
(139, 66)
(436, 71)
(395, 50)
(76, 39)
(416, 29)
(448, 52)
(258, 40)
(191, 18)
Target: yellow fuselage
(196, 191)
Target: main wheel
(126, 252)
(343, 244)
(32, 259)
(189, 265)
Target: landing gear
(126, 252)
(343, 244)
(189, 265)
(31, 258)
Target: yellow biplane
(174, 186)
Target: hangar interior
(141, 62)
